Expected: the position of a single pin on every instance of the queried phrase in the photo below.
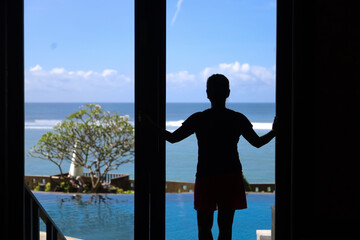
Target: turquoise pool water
(108, 217)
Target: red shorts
(223, 192)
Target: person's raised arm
(178, 135)
(172, 137)
(251, 136)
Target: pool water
(107, 217)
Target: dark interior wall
(325, 97)
(11, 119)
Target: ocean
(181, 158)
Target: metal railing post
(33, 212)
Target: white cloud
(205, 73)
(77, 83)
(245, 67)
(242, 74)
(247, 82)
(182, 77)
(263, 74)
(57, 71)
(82, 73)
(108, 72)
(36, 68)
(234, 67)
(178, 7)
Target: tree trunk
(95, 185)
(61, 172)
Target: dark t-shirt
(218, 132)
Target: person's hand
(275, 125)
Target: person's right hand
(275, 125)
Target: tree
(100, 140)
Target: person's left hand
(275, 124)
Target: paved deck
(43, 237)
(263, 234)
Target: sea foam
(41, 124)
(50, 123)
(256, 125)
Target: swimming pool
(108, 217)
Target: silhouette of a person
(219, 180)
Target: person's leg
(225, 221)
(205, 222)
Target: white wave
(262, 126)
(41, 124)
(49, 124)
(256, 125)
(174, 123)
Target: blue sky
(83, 51)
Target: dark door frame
(150, 99)
(12, 118)
(284, 113)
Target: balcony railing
(33, 212)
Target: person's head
(217, 88)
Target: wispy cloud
(59, 84)
(60, 78)
(36, 68)
(242, 74)
(248, 83)
(239, 75)
(180, 78)
(178, 7)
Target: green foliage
(48, 187)
(119, 190)
(129, 192)
(101, 142)
(246, 184)
(65, 186)
(37, 188)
